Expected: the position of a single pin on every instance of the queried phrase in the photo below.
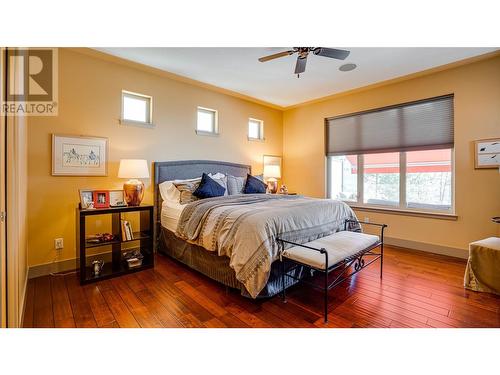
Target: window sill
(256, 139)
(397, 211)
(210, 134)
(136, 123)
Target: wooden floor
(418, 290)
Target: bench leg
(283, 295)
(326, 296)
(381, 259)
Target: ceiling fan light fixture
(347, 67)
(303, 53)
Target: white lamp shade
(272, 171)
(133, 168)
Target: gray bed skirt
(217, 267)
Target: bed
(238, 256)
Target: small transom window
(137, 108)
(255, 129)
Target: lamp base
(134, 192)
(272, 185)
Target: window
(381, 179)
(395, 157)
(343, 174)
(413, 180)
(207, 122)
(255, 129)
(137, 108)
(428, 179)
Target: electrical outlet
(367, 219)
(58, 243)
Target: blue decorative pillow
(209, 188)
(253, 185)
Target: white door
(3, 247)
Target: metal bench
(336, 252)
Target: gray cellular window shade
(426, 124)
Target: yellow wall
(477, 115)
(90, 104)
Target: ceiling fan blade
(276, 55)
(331, 52)
(300, 67)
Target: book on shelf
(127, 233)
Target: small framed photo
(116, 198)
(487, 153)
(86, 199)
(101, 198)
(74, 155)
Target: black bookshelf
(114, 261)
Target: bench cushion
(339, 246)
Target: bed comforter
(245, 227)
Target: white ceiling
(237, 69)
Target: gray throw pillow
(235, 185)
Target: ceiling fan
(303, 52)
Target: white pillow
(169, 192)
(217, 176)
(221, 179)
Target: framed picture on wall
(272, 160)
(487, 153)
(74, 155)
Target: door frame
(3, 195)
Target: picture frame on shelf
(101, 198)
(86, 199)
(487, 153)
(116, 198)
(78, 155)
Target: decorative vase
(134, 192)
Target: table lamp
(133, 169)
(272, 173)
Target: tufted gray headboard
(185, 169)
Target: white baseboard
(427, 247)
(62, 266)
(54, 267)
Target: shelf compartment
(119, 266)
(144, 235)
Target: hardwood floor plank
(43, 315)
(63, 314)
(82, 312)
(232, 322)
(122, 314)
(166, 318)
(215, 323)
(201, 298)
(247, 317)
(144, 317)
(173, 306)
(102, 314)
(418, 290)
(29, 311)
(186, 302)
